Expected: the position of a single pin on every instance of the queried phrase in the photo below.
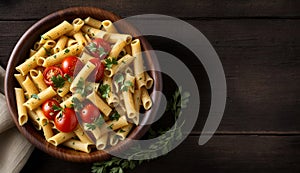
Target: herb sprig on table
(178, 101)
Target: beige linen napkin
(14, 148)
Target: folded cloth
(14, 148)
(2, 75)
(15, 151)
(6, 121)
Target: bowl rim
(59, 152)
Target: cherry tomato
(66, 121)
(49, 72)
(70, 65)
(98, 72)
(89, 113)
(47, 108)
(99, 48)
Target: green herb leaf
(126, 85)
(115, 116)
(119, 78)
(110, 126)
(58, 81)
(35, 96)
(80, 87)
(109, 62)
(68, 77)
(92, 47)
(48, 52)
(67, 51)
(97, 123)
(100, 121)
(122, 131)
(57, 108)
(104, 90)
(77, 104)
(90, 126)
(166, 138)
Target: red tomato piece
(47, 108)
(99, 48)
(66, 120)
(49, 72)
(98, 72)
(71, 65)
(89, 113)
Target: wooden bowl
(21, 52)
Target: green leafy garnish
(77, 104)
(68, 77)
(57, 108)
(58, 81)
(109, 62)
(67, 51)
(122, 131)
(80, 87)
(90, 126)
(35, 96)
(48, 52)
(43, 38)
(97, 123)
(166, 138)
(110, 126)
(92, 47)
(115, 165)
(119, 78)
(104, 90)
(115, 116)
(126, 85)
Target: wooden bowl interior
(20, 53)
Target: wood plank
(221, 154)
(262, 87)
(221, 33)
(33, 9)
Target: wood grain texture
(32, 9)
(221, 154)
(258, 44)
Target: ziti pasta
(83, 71)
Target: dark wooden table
(258, 42)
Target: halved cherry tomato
(49, 72)
(66, 120)
(70, 65)
(47, 108)
(99, 48)
(89, 113)
(98, 72)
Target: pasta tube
(138, 63)
(122, 63)
(61, 44)
(38, 79)
(109, 26)
(82, 76)
(56, 32)
(99, 103)
(146, 100)
(93, 22)
(36, 100)
(60, 137)
(78, 145)
(22, 113)
(61, 55)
